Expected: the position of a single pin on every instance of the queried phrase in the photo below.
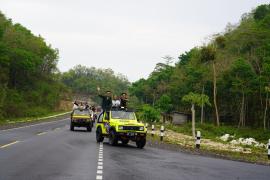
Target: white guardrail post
(153, 129)
(198, 140)
(161, 133)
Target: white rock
(225, 137)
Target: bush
(149, 114)
(36, 111)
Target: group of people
(109, 101)
(83, 105)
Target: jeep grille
(136, 128)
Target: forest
(29, 81)
(227, 78)
(85, 80)
(31, 84)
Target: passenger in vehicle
(106, 102)
(116, 102)
(75, 105)
(87, 106)
(123, 100)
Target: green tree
(242, 78)
(195, 100)
(165, 103)
(150, 114)
(208, 54)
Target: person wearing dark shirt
(123, 100)
(106, 102)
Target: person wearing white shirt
(115, 102)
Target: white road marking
(6, 145)
(100, 162)
(42, 133)
(99, 177)
(34, 125)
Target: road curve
(49, 151)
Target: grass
(258, 155)
(210, 131)
(10, 121)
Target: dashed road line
(9, 144)
(100, 163)
(4, 130)
(41, 133)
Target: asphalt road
(49, 151)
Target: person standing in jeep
(106, 101)
(123, 100)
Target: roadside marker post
(153, 129)
(146, 125)
(161, 133)
(269, 149)
(198, 140)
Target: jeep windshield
(81, 112)
(123, 115)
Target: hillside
(83, 81)
(29, 84)
(235, 64)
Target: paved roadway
(49, 151)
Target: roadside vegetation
(232, 71)
(85, 80)
(237, 146)
(29, 79)
(224, 84)
(31, 84)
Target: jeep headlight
(120, 127)
(141, 128)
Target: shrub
(149, 114)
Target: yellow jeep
(81, 118)
(120, 125)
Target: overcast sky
(129, 36)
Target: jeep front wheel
(99, 136)
(125, 141)
(141, 143)
(71, 126)
(113, 138)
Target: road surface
(49, 151)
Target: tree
(165, 103)
(27, 72)
(195, 99)
(150, 114)
(242, 78)
(261, 11)
(208, 54)
(267, 90)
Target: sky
(128, 36)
